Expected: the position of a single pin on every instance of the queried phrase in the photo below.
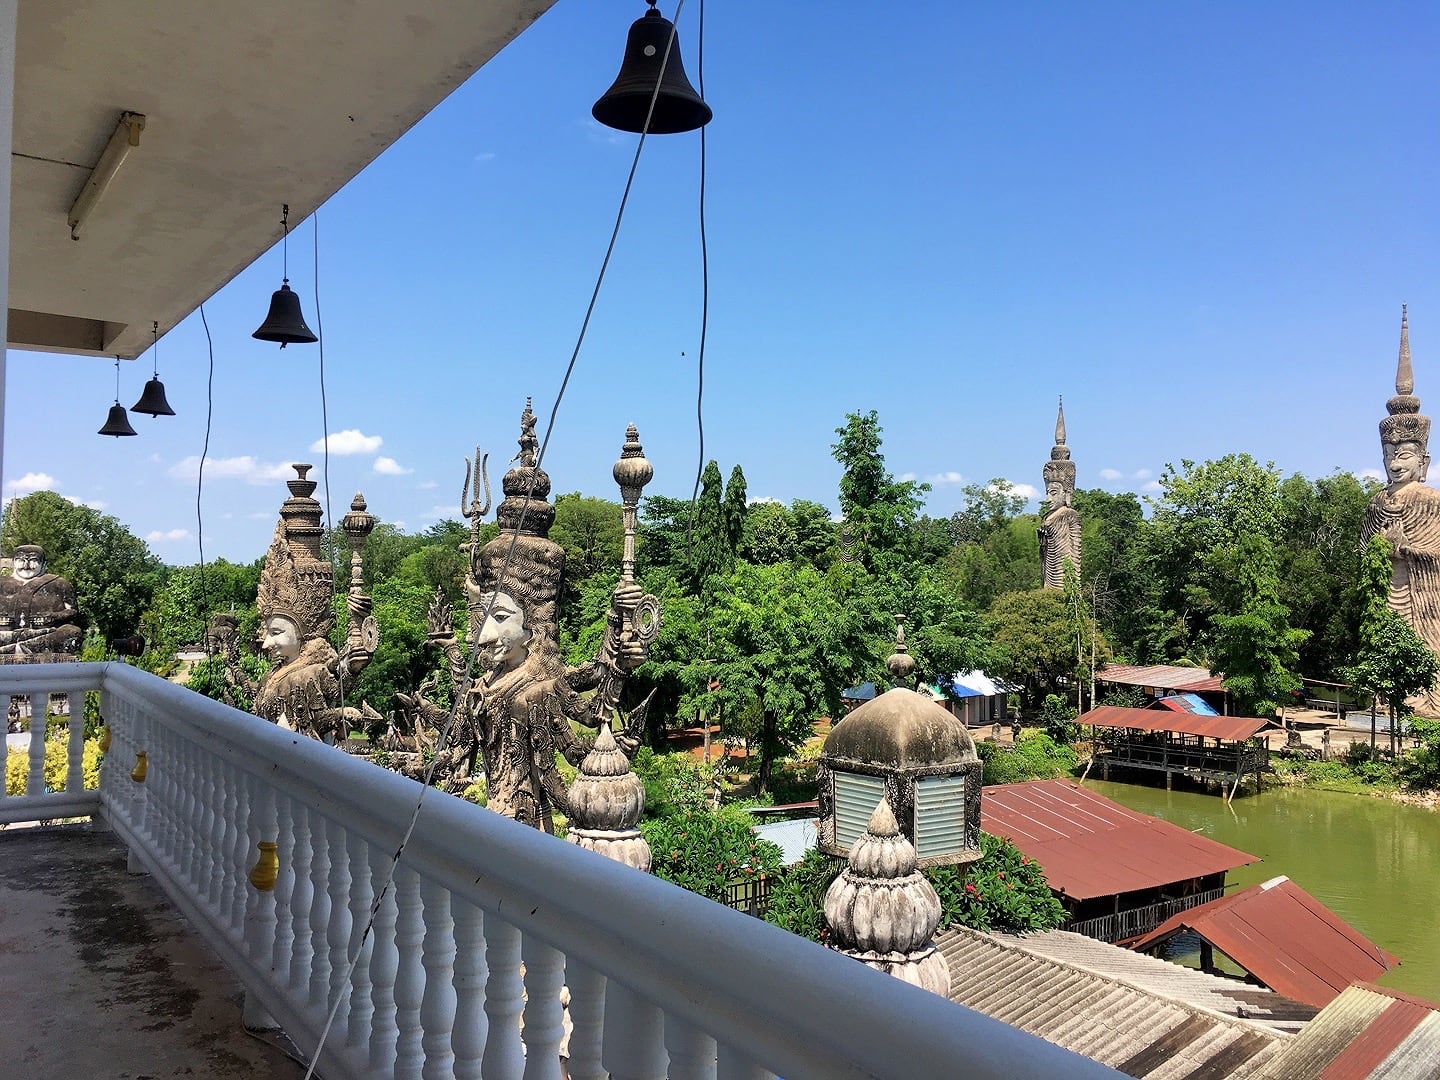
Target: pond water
(1374, 862)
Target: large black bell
(117, 423)
(152, 400)
(285, 323)
(677, 107)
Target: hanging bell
(152, 400)
(117, 423)
(285, 323)
(677, 107)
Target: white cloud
(1030, 491)
(349, 441)
(31, 481)
(427, 485)
(488, 155)
(1153, 485)
(160, 536)
(1371, 474)
(945, 478)
(435, 513)
(93, 504)
(399, 525)
(1143, 474)
(388, 466)
(764, 499)
(244, 468)
(1111, 474)
(908, 477)
(260, 515)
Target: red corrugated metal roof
(1090, 846)
(1377, 1042)
(1234, 728)
(1160, 676)
(1286, 938)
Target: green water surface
(1374, 862)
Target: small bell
(677, 106)
(152, 400)
(117, 423)
(285, 323)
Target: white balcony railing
(486, 920)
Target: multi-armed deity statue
(304, 690)
(37, 610)
(1407, 513)
(517, 709)
(1060, 530)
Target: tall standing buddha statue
(1060, 529)
(1407, 513)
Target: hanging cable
(704, 292)
(325, 444)
(462, 691)
(200, 479)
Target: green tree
(591, 531)
(1033, 634)
(879, 510)
(987, 509)
(1256, 648)
(734, 511)
(114, 574)
(769, 535)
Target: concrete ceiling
(247, 106)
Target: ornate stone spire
(1060, 424)
(606, 800)
(900, 663)
(1060, 467)
(297, 581)
(1405, 422)
(882, 910)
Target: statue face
(503, 640)
(1405, 463)
(281, 639)
(28, 565)
(1056, 495)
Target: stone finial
(1404, 422)
(606, 801)
(1060, 423)
(900, 663)
(882, 910)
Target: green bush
(57, 763)
(797, 895)
(704, 850)
(674, 783)
(1057, 719)
(1035, 757)
(1003, 890)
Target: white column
(8, 12)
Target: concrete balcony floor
(101, 978)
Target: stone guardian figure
(1060, 528)
(1407, 513)
(37, 610)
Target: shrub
(674, 783)
(57, 763)
(1003, 890)
(797, 896)
(704, 850)
(1057, 719)
(1035, 756)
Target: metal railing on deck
(1122, 925)
(486, 920)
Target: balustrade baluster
(468, 1039)
(237, 850)
(337, 930)
(282, 953)
(320, 908)
(410, 977)
(159, 775)
(35, 781)
(692, 1052)
(300, 899)
(75, 774)
(437, 1006)
(211, 834)
(587, 1020)
(634, 1036)
(260, 926)
(360, 1007)
(504, 1057)
(187, 852)
(384, 967)
(544, 1030)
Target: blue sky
(1196, 221)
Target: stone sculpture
(37, 610)
(516, 713)
(303, 691)
(1407, 513)
(1060, 529)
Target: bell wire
(461, 692)
(200, 475)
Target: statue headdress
(296, 581)
(537, 563)
(1405, 422)
(1060, 467)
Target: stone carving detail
(303, 690)
(1060, 529)
(1407, 513)
(882, 910)
(516, 713)
(37, 611)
